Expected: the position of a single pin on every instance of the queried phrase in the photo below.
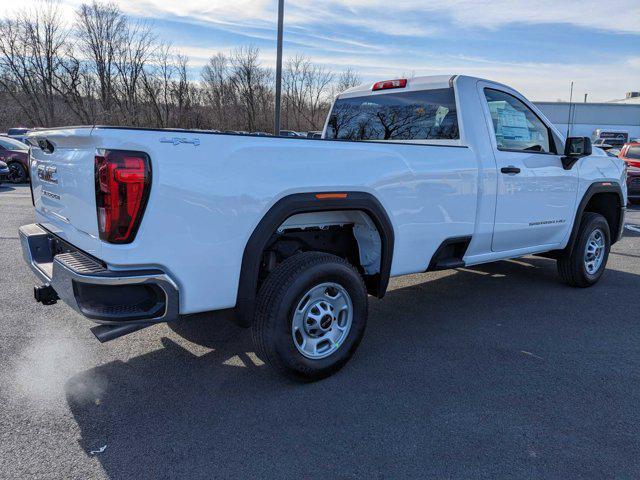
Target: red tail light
(123, 183)
(389, 84)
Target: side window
(516, 126)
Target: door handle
(510, 170)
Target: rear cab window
(397, 116)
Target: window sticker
(512, 125)
(441, 112)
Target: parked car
(615, 143)
(630, 153)
(290, 133)
(16, 155)
(612, 137)
(633, 184)
(414, 175)
(4, 172)
(603, 144)
(19, 134)
(314, 135)
(613, 152)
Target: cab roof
(429, 82)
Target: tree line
(106, 68)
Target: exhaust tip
(106, 333)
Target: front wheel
(311, 314)
(585, 263)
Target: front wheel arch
(597, 199)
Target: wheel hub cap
(594, 252)
(322, 320)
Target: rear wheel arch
(289, 206)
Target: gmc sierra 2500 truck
(410, 175)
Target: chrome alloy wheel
(322, 320)
(594, 252)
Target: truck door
(535, 196)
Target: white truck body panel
(209, 193)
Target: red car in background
(630, 153)
(633, 184)
(16, 155)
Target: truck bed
(210, 190)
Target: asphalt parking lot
(497, 371)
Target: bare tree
(306, 93)
(106, 68)
(218, 91)
(76, 86)
(132, 53)
(101, 29)
(182, 92)
(349, 78)
(252, 84)
(30, 58)
(157, 80)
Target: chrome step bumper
(89, 287)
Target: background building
(585, 118)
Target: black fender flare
(595, 188)
(306, 203)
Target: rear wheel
(17, 173)
(585, 263)
(311, 314)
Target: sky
(536, 46)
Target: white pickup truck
(139, 226)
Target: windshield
(423, 115)
(12, 144)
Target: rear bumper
(86, 285)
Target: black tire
(278, 298)
(17, 173)
(571, 266)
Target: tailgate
(62, 179)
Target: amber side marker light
(326, 196)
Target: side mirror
(574, 149)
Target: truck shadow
(458, 370)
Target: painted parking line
(633, 228)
